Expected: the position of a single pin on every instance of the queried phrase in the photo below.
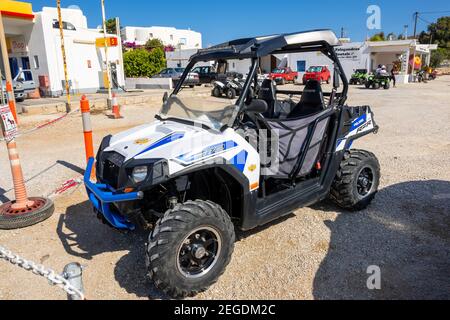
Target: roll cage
(322, 41)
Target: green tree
(111, 27)
(378, 37)
(438, 33)
(153, 44)
(157, 60)
(437, 56)
(142, 63)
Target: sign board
(110, 42)
(18, 45)
(352, 53)
(9, 125)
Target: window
(66, 25)
(36, 62)
(183, 41)
(171, 37)
(27, 75)
(151, 35)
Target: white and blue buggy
(208, 165)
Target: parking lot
(319, 252)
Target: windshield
(210, 100)
(179, 70)
(278, 71)
(314, 69)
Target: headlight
(139, 173)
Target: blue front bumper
(102, 196)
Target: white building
(35, 44)
(186, 39)
(352, 55)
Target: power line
(434, 12)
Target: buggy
(206, 167)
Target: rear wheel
(367, 84)
(282, 82)
(189, 248)
(356, 182)
(387, 85)
(376, 85)
(216, 92)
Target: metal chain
(54, 278)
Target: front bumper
(102, 197)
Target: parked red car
(283, 75)
(319, 73)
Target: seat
(311, 101)
(268, 93)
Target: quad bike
(195, 174)
(378, 81)
(359, 76)
(421, 76)
(231, 88)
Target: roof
(313, 40)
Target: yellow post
(108, 84)
(63, 50)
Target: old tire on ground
(189, 248)
(42, 210)
(356, 182)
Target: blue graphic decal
(358, 122)
(239, 160)
(209, 151)
(167, 139)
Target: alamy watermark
(374, 280)
(374, 20)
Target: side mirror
(165, 97)
(256, 106)
(336, 82)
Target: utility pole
(108, 76)
(63, 51)
(416, 15)
(119, 37)
(342, 32)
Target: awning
(16, 9)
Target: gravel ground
(318, 252)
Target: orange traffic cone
(115, 107)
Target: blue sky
(219, 21)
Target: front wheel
(231, 93)
(189, 248)
(356, 182)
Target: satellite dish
(74, 7)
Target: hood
(160, 139)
